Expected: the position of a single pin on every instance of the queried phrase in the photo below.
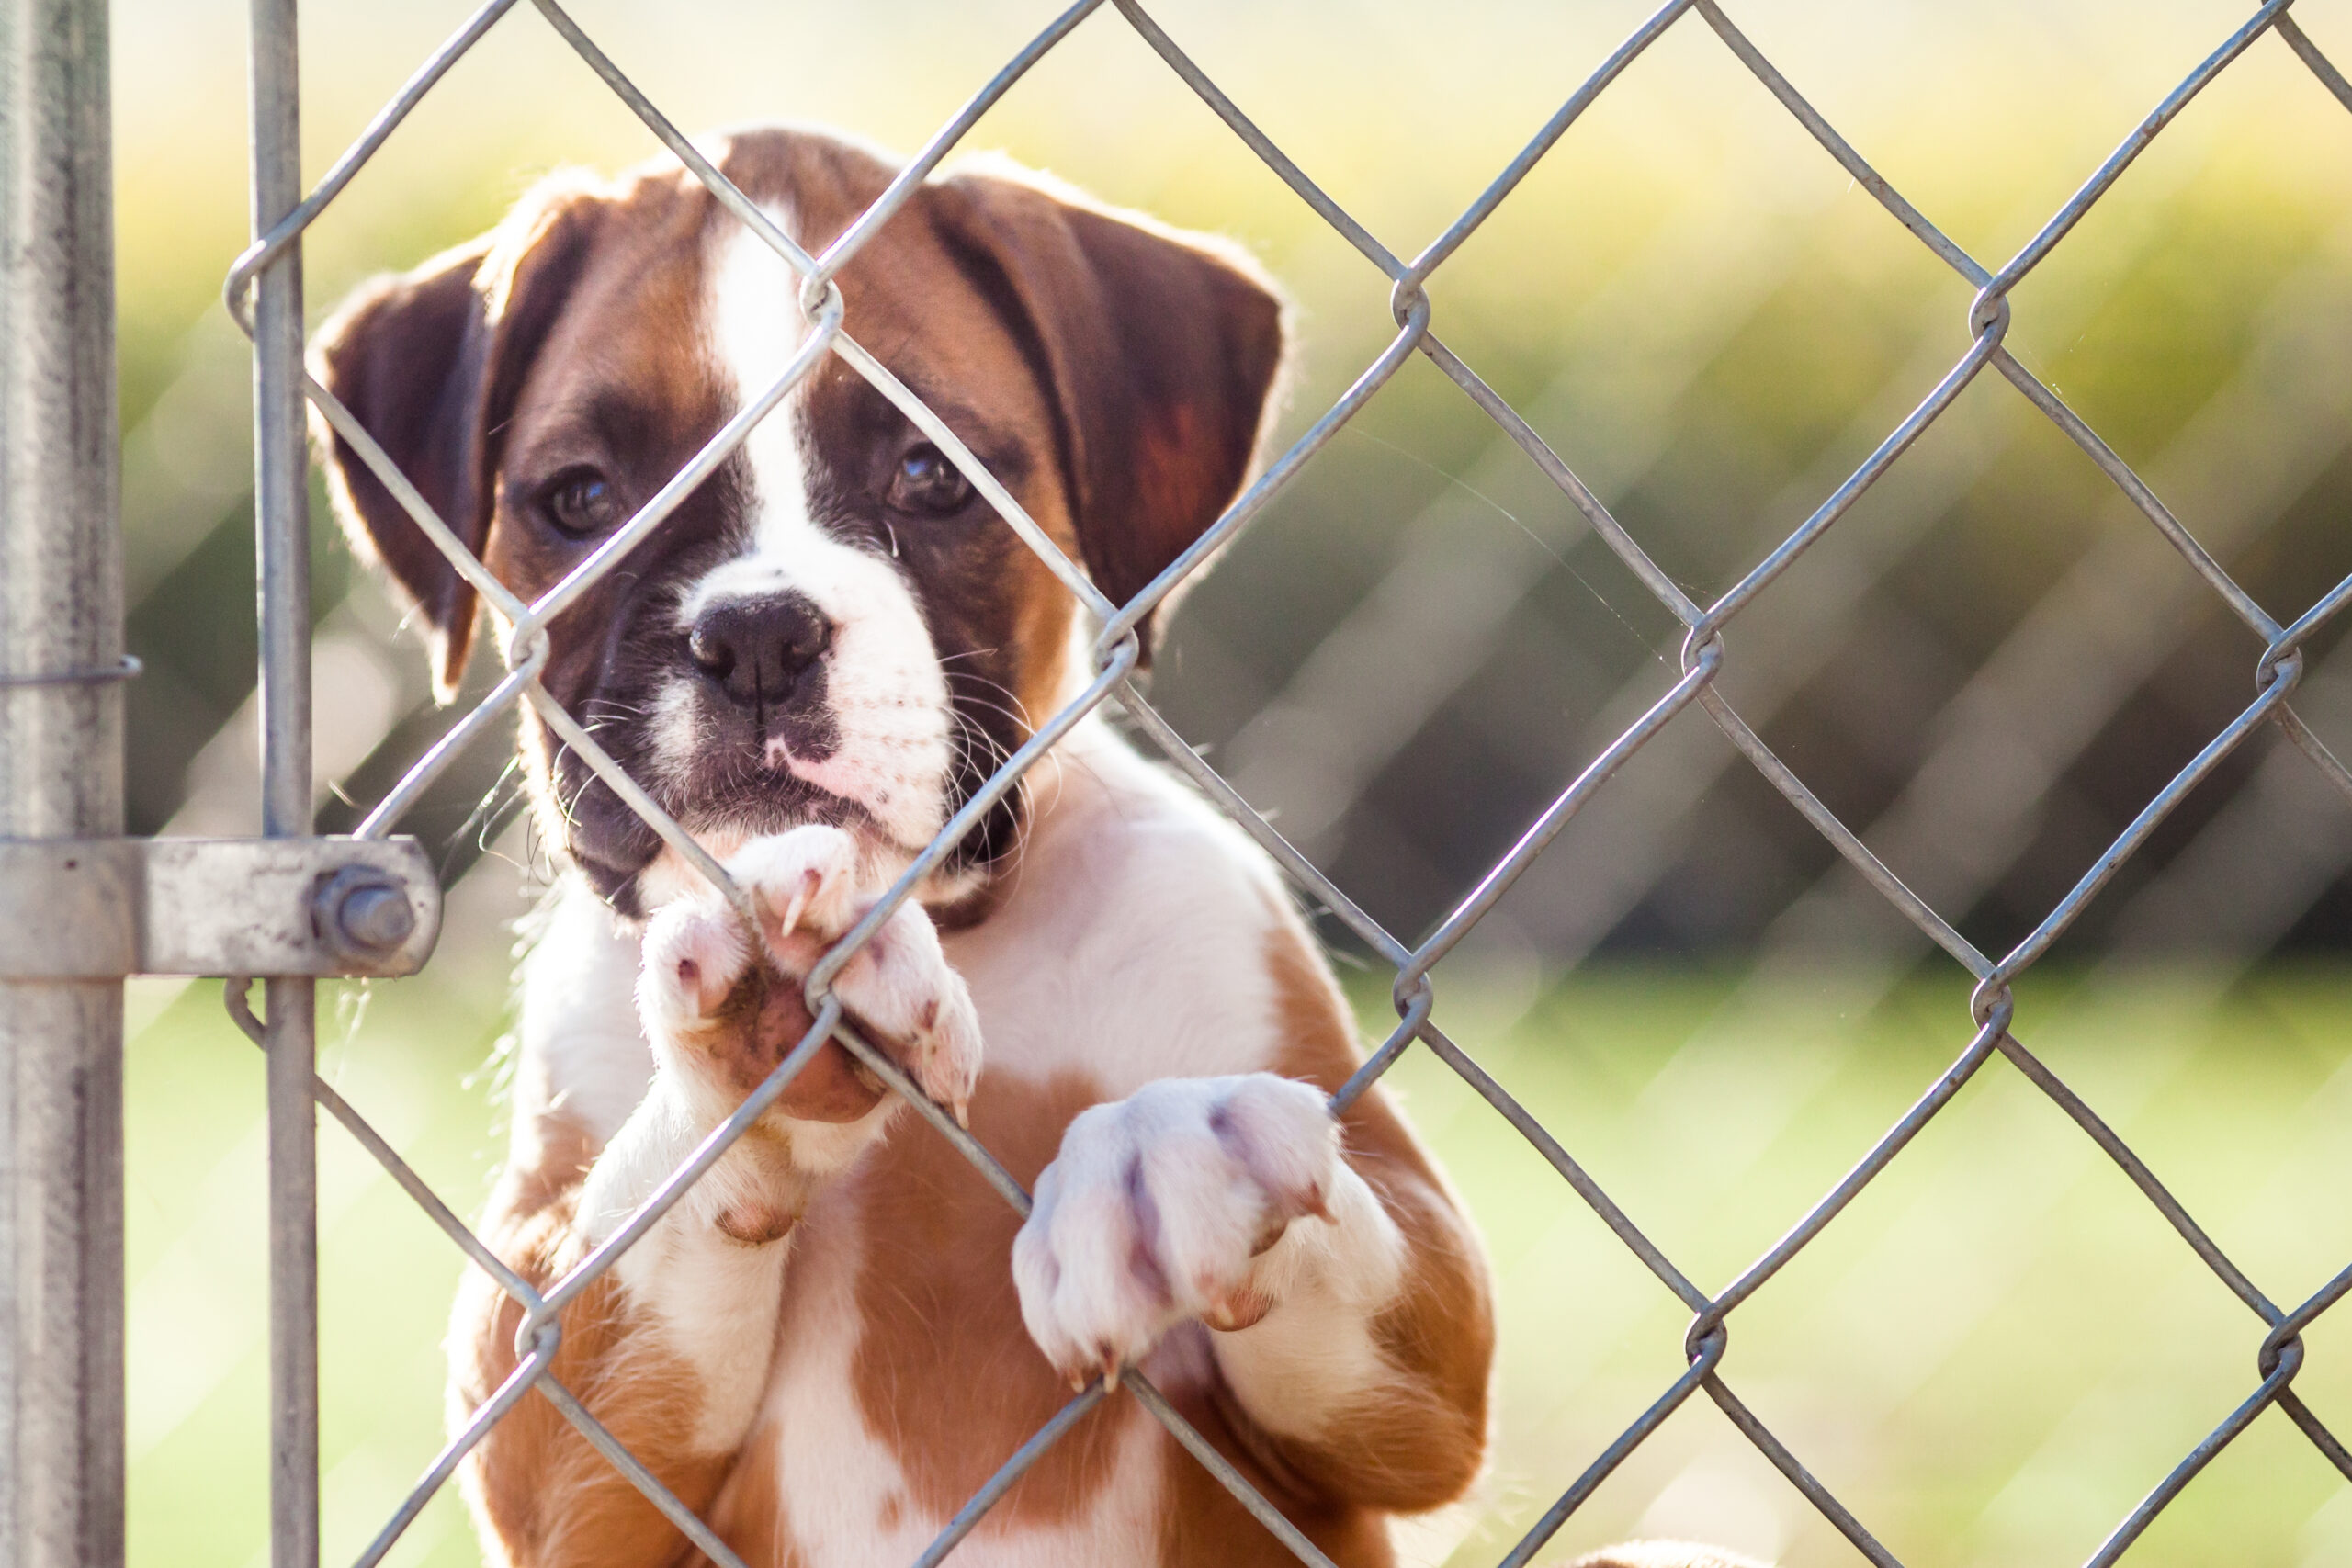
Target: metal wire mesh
(2279, 667)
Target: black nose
(757, 650)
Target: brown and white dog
(842, 1331)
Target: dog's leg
(1349, 1297)
(670, 1347)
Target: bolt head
(377, 917)
(362, 914)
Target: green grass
(1990, 1357)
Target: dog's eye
(927, 482)
(582, 502)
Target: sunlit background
(1986, 667)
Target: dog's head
(834, 626)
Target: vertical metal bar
(281, 510)
(61, 776)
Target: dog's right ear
(430, 362)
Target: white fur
(1165, 909)
(1297, 1369)
(884, 685)
(837, 1478)
(804, 885)
(675, 721)
(580, 1051)
(1156, 911)
(1152, 1212)
(1132, 948)
(713, 1299)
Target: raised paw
(1158, 1208)
(696, 954)
(721, 1020)
(916, 1008)
(723, 1015)
(805, 881)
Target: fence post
(281, 511)
(60, 777)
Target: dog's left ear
(430, 362)
(1159, 350)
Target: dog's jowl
(840, 1333)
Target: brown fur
(945, 1368)
(1116, 381)
(947, 1376)
(533, 1482)
(1417, 1446)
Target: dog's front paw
(1158, 1208)
(722, 1009)
(899, 988)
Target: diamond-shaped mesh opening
(1690, 696)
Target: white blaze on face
(883, 683)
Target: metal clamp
(102, 909)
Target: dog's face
(833, 626)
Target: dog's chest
(903, 1379)
(1134, 948)
(903, 1376)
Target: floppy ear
(1159, 350)
(430, 362)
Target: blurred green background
(1986, 667)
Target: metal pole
(281, 501)
(61, 776)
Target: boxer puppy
(842, 1331)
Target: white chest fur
(840, 1493)
(1131, 947)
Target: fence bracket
(102, 909)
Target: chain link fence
(263, 291)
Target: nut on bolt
(361, 914)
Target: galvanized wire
(2278, 666)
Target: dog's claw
(1162, 1208)
(960, 1107)
(898, 990)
